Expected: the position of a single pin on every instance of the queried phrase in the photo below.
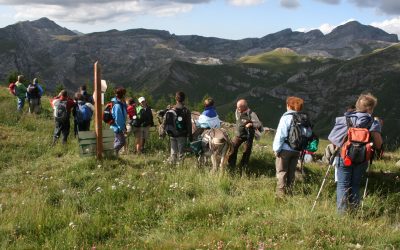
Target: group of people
(32, 94)
(128, 118)
(350, 157)
(137, 118)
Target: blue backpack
(83, 113)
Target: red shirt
(131, 111)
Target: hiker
(62, 106)
(287, 155)
(119, 113)
(131, 116)
(34, 92)
(87, 98)
(177, 124)
(145, 118)
(350, 171)
(208, 119)
(83, 112)
(19, 91)
(246, 123)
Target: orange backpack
(357, 147)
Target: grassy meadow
(50, 198)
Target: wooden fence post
(98, 111)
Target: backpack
(11, 88)
(34, 91)
(60, 111)
(83, 113)
(300, 131)
(356, 147)
(175, 122)
(107, 113)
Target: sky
(232, 19)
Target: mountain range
(328, 71)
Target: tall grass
(52, 198)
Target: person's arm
(189, 125)
(377, 140)
(40, 90)
(281, 135)
(254, 119)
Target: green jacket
(20, 90)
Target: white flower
(98, 166)
(98, 189)
(113, 187)
(63, 191)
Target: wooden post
(98, 111)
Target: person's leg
(21, 102)
(57, 132)
(344, 175)
(357, 176)
(31, 107)
(291, 174)
(248, 146)
(119, 142)
(174, 150)
(233, 157)
(181, 147)
(145, 136)
(65, 127)
(282, 165)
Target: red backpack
(357, 147)
(11, 88)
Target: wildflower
(113, 187)
(98, 166)
(98, 189)
(63, 191)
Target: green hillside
(51, 198)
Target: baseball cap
(141, 99)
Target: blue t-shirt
(358, 119)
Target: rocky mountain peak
(359, 31)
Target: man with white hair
(246, 123)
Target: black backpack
(175, 122)
(60, 112)
(300, 131)
(107, 113)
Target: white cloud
(245, 2)
(391, 26)
(102, 12)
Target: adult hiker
(246, 123)
(145, 118)
(20, 92)
(62, 106)
(119, 114)
(351, 161)
(177, 124)
(83, 112)
(86, 96)
(34, 93)
(286, 152)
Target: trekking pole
(366, 184)
(320, 189)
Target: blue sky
(233, 19)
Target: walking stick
(320, 189)
(366, 183)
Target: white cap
(141, 99)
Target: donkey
(215, 143)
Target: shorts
(141, 133)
